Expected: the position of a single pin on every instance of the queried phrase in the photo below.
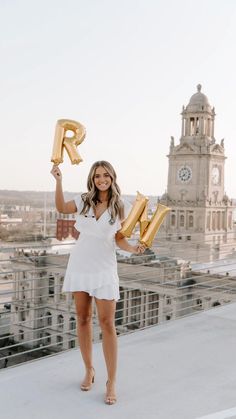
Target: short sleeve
(79, 202)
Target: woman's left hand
(140, 248)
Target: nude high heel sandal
(86, 386)
(110, 398)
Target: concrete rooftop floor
(185, 369)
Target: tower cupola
(198, 118)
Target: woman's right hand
(56, 172)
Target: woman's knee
(107, 323)
(84, 318)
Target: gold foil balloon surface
(61, 141)
(134, 215)
(139, 213)
(153, 225)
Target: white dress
(92, 265)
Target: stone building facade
(200, 209)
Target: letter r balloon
(61, 141)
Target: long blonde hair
(91, 198)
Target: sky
(124, 69)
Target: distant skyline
(123, 69)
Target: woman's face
(102, 179)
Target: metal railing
(36, 319)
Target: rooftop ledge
(182, 369)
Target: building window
(199, 302)
(51, 285)
(192, 126)
(60, 321)
(48, 338)
(49, 318)
(21, 334)
(216, 303)
(191, 221)
(59, 340)
(72, 323)
(181, 222)
(168, 300)
(197, 125)
(22, 316)
(72, 344)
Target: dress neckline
(97, 219)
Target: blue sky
(123, 69)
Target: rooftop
(183, 369)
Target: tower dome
(198, 101)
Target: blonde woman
(92, 266)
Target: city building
(201, 212)
(65, 227)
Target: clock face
(215, 175)
(184, 173)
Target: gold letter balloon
(61, 141)
(139, 213)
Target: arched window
(60, 321)
(181, 222)
(48, 318)
(191, 221)
(21, 334)
(72, 323)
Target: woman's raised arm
(61, 206)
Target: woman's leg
(106, 315)
(83, 304)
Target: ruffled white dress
(92, 265)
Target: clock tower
(200, 209)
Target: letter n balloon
(139, 213)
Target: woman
(92, 266)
